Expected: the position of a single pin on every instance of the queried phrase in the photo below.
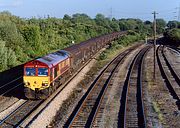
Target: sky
(166, 9)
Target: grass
(157, 110)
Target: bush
(27, 39)
(8, 57)
(173, 36)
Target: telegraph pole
(154, 26)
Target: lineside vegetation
(23, 39)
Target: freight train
(44, 75)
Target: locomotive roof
(54, 58)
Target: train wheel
(30, 94)
(53, 87)
(43, 94)
(51, 90)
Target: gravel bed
(161, 109)
(6, 102)
(151, 115)
(110, 114)
(11, 108)
(174, 59)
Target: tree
(31, 34)
(9, 33)
(147, 22)
(173, 36)
(26, 39)
(8, 57)
(114, 25)
(172, 24)
(81, 18)
(161, 24)
(66, 17)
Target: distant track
(34, 114)
(131, 112)
(171, 68)
(15, 118)
(175, 48)
(8, 87)
(18, 117)
(87, 109)
(170, 83)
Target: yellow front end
(36, 82)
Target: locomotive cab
(40, 75)
(36, 76)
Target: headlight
(26, 83)
(45, 83)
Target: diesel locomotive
(44, 75)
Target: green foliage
(124, 41)
(173, 36)
(173, 24)
(10, 34)
(26, 39)
(8, 57)
(161, 24)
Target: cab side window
(55, 72)
(51, 72)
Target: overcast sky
(142, 9)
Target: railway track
(16, 117)
(175, 49)
(29, 108)
(90, 105)
(171, 68)
(131, 112)
(20, 116)
(10, 86)
(169, 75)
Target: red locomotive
(44, 75)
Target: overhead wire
(144, 15)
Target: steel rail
(52, 97)
(11, 89)
(79, 106)
(10, 82)
(20, 122)
(18, 115)
(175, 49)
(139, 119)
(167, 80)
(98, 102)
(171, 68)
(8, 116)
